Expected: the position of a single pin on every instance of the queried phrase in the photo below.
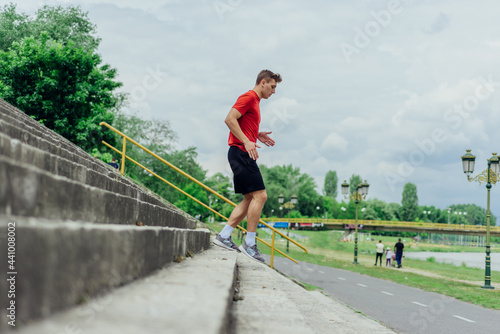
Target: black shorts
(247, 177)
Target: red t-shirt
(248, 106)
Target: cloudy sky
(392, 90)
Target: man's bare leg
(255, 209)
(240, 211)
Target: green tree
(409, 203)
(432, 214)
(308, 197)
(62, 24)
(394, 210)
(468, 214)
(328, 204)
(157, 136)
(331, 184)
(378, 210)
(62, 86)
(288, 180)
(223, 185)
(188, 205)
(343, 210)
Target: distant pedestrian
(114, 164)
(380, 251)
(388, 256)
(398, 249)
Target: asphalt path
(403, 309)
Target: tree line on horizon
(51, 69)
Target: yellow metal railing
(122, 170)
(454, 227)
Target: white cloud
(441, 23)
(362, 117)
(334, 143)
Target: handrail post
(123, 155)
(272, 251)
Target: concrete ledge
(13, 112)
(31, 192)
(27, 141)
(188, 297)
(269, 302)
(61, 264)
(44, 139)
(28, 130)
(263, 304)
(85, 170)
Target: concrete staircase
(216, 291)
(75, 223)
(82, 265)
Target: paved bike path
(401, 308)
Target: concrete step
(269, 302)
(13, 115)
(194, 296)
(60, 264)
(10, 110)
(21, 141)
(26, 140)
(31, 192)
(18, 126)
(108, 178)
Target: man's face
(268, 88)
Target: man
(380, 252)
(243, 122)
(398, 250)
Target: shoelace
(254, 248)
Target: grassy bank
(460, 282)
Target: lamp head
(494, 164)
(364, 188)
(345, 188)
(294, 199)
(468, 161)
(281, 198)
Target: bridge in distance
(383, 225)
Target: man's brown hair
(268, 75)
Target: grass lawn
(460, 282)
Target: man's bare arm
(233, 125)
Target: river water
(471, 259)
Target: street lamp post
(360, 193)
(288, 205)
(426, 217)
(458, 222)
(426, 214)
(490, 175)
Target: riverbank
(462, 282)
